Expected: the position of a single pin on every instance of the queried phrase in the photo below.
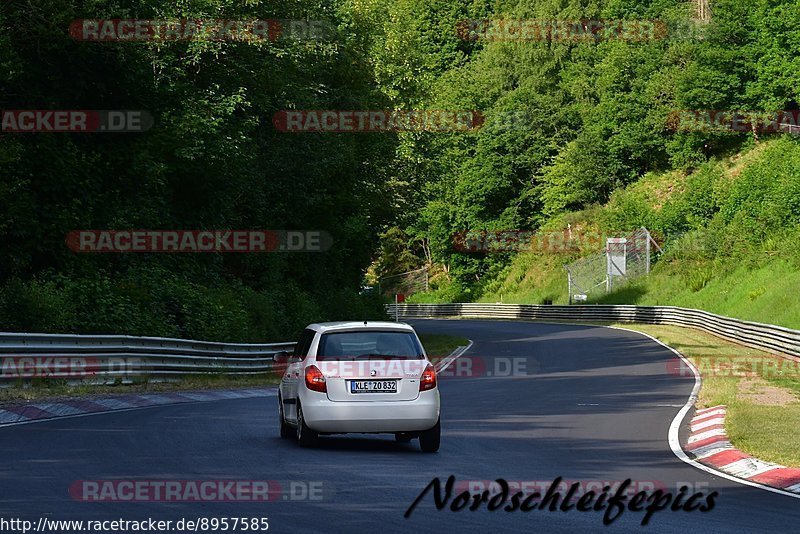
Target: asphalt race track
(587, 404)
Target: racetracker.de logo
(377, 121)
(74, 120)
(714, 120)
(199, 490)
(48, 366)
(133, 30)
(198, 241)
(561, 30)
(480, 366)
(736, 366)
(498, 241)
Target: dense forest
(212, 160)
(567, 123)
(592, 116)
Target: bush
(34, 306)
(768, 190)
(627, 209)
(445, 293)
(150, 302)
(691, 208)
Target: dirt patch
(742, 159)
(758, 391)
(660, 192)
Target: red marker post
(398, 298)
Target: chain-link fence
(623, 259)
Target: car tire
(305, 436)
(286, 430)
(429, 440)
(403, 437)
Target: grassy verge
(59, 389)
(439, 345)
(761, 391)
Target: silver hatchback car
(360, 377)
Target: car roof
(359, 325)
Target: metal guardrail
(108, 358)
(757, 335)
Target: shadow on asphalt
(356, 443)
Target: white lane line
(675, 426)
(453, 356)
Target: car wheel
(286, 430)
(305, 436)
(429, 440)
(403, 437)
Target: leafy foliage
(212, 161)
(573, 123)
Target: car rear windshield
(369, 345)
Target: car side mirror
(281, 357)
(294, 358)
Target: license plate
(373, 386)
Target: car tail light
(428, 379)
(315, 380)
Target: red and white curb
(25, 413)
(709, 445)
(705, 417)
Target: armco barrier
(761, 336)
(105, 358)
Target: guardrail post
(569, 285)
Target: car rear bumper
(323, 415)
